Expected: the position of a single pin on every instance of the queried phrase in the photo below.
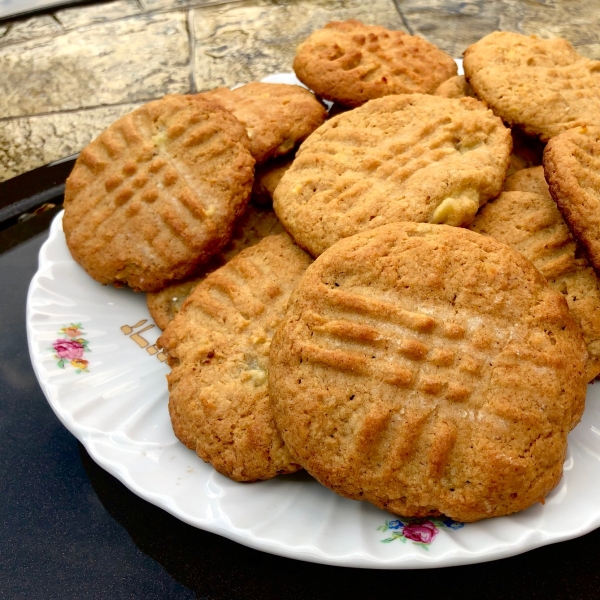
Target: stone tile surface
(32, 28)
(30, 142)
(123, 61)
(454, 25)
(244, 42)
(577, 20)
(71, 18)
(65, 76)
(179, 4)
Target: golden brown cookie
(455, 87)
(218, 348)
(428, 369)
(543, 86)
(157, 192)
(253, 226)
(277, 116)
(527, 151)
(411, 157)
(572, 169)
(267, 177)
(349, 62)
(526, 218)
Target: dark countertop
(71, 530)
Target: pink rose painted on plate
(424, 532)
(68, 348)
(421, 532)
(71, 351)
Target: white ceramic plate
(92, 351)
(116, 405)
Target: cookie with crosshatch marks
(253, 226)
(543, 86)
(277, 116)
(158, 192)
(572, 169)
(349, 62)
(526, 217)
(527, 151)
(428, 369)
(411, 157)
(218, 347)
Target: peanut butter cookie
(411, 157)
(218, 347)
(526, 217)
(428, 369)
(253, 226)
(455, 87)
(527, 150)
(277, 116)
(158, 192)
(572, 169)
(349, 62)
(543, 86)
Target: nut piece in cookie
(428, 369)
(525, 217)
(349, 62)
(572, 170)
(253, 226)
(218, 347)
(157, 192)
(411, 157)
(276, 116)
(543, 86)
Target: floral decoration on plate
(69, 349)
(422, 532)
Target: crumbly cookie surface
(254, 225)
(572, 169)
(349, 62)
(410, 157)
(544, 86)
(526, 217)
(428, 369)
(218, 347)
(277, 116)
(143, 204)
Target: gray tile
(576, 20)
(179, 4)
(29, 142)
(453, 25)
(244, 42)
(589, 50)
(28, 29)
(124, 61)
(97, 13)
(449, 24)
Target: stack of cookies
(417, 319)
